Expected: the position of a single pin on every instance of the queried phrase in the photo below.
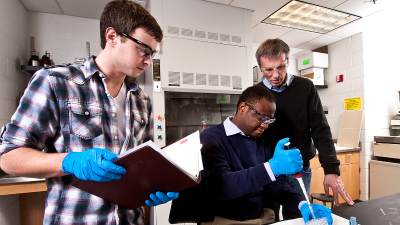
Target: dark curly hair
(254, 94)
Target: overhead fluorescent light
(310, 17)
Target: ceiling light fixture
(310, 17)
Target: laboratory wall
(13, 42)
(64, 36)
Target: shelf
(30, 69)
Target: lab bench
(31, 193)
(380, 211)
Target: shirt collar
(289, 79)
(131, 84)
(231, 128)
(89, 68)
(81, 72)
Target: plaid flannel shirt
(68, 108)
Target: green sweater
(299, 116)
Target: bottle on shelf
(51, 60)
(34, 59)
(82, 59)
(88, 49)
(46, 60)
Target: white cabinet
(312, 59)
(384, 178)
(314, 74)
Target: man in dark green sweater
(299, 116)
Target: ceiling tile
(258, 5)
(46, 6)
(298, 37)
(349, 29)
(326, 3)
(360, 7)
(88, 8)
(226, 2)
(319, 42)
(263, 8)
(264, 31)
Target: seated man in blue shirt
(242, 173)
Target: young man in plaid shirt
(74, 120)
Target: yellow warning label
(352, 103)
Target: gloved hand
(285, 162)
(319, 211)
(95, 164)
(161, 198)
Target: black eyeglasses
(260, 117)
(145, 50)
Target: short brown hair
(125, 16)
(272, 48)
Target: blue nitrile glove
(319, 211)
(285, 162)
(95, 164)
(161, 198)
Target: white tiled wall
(382, 83)
(345, 57)
(369, 63)
(13, 24)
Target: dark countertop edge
(18, 180)
(387, 139)
(358, 149)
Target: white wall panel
(206, 16)
(183, 55)
(183, 51)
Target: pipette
(299, 179)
